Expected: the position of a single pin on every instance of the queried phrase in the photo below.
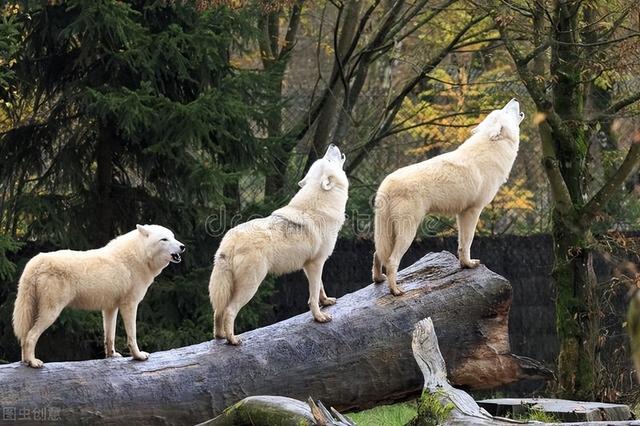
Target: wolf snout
(182, 248)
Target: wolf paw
(379, 278)
(233, 341)
(142, 356)
(396, 291)
(114, 355)
(328, 301)
(471, 263)
(322, 317)
(34, 363)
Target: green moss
(633, 327)
(431, 410)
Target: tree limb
(559, 189)
(606, 192)
(617, 106)
(394, 106)
(292, 30)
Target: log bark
(360, 359)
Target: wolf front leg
(129, 312)
(313, 271)
(109, 317)
(467, 221)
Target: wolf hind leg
(405, 232)
(245, 287)
(46, 316)
(218, 324)
(376, 271)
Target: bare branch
(535, 52)
(598, 43)
(608, 190)
(292, 30)
(394, 106)
(616, 107)
(436, 121)
(536, 89)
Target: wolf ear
(494, 131)
(327, 182)
(144, 231)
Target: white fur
(114, 277)
(461, 182)
(301, 235)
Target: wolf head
(502, 123)
(327, 171)
(160, 243)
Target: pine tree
(130, 112)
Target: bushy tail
(24, 310)
(220, 289)
(383, 233)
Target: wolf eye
(164, 239)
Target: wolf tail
(383, 233)
(220, 288)
(25, 308)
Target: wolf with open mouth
(109, 279)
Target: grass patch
(386, 415)
(537, 415)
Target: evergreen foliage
(115, 113)
(135, 115)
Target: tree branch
(559, 190)
(602, 197)
(534, 87)
(394, 106)
(617, 106)
(292, 30)
(535, 52)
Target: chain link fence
(523, 204)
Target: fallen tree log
(361, 358)
(266, 410)
(442, 404)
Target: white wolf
(461, 182)
(301, 235)
(114, 277)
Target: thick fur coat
(301, 235)
(461, 183)
(114, 277)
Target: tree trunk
(361, 358)
(327, 118)
(577, 315)
(104, 182)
